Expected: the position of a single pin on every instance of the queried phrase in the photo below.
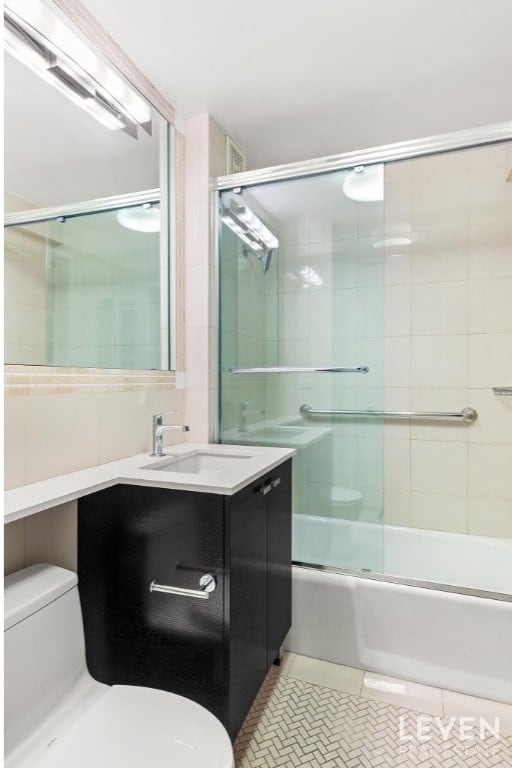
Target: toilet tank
(44, 647)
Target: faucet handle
(158, 417)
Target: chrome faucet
(244, 413)
(158, 432)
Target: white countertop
(136, 470)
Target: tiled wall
(448, 340)
(25, 289)
(103, 294)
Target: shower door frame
(495, 133)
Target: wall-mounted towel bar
(330, 369)
(502, 391)
(466, 414)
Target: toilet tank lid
(29, 590)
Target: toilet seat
(132, 727)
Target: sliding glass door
(301, 363)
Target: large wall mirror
(87, 169)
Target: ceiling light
(365, 183)
(392, 241)
(143, 218)
(310, 277)
(42, 42)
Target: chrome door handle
(268, 486)
(207, 582)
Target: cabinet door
(246, 600)
(279, 553)
(128, 539)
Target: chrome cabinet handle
(268, 486)
(207, 582)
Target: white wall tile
(439, 512)
(397, 464)
(397, 300)
(397, 204)
(397, 361)
(490, 517)
(494, 422)
(439, 254)
(397, 270)
(397, 506)
(490, 360)
(439, 308)
(440, 199)
(439, 361)
(490, 250)
(490, 195)
(15, 441)
(197, 418)
(64, 434)
(196, 295)
(439, 467)
(489, 471)
(490, 305)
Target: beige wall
(448, 340)
(24, 289)
(48, 537)
(205, 158)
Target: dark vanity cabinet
(214, 650)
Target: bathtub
(442, 614)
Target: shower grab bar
(467, 415)
(333, 369)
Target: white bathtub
(444, 638)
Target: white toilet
(57, 716)
(346, 503)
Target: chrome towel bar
(206, 582)
(330, 369)
(467, 415)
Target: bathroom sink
(197, 462)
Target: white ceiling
(294, 79)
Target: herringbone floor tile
(294, 724)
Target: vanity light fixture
(251, 231)
(365, 183)
(43, 43)
(143, 218)
(250, 228)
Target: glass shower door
(301, 290)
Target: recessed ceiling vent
(236, 160)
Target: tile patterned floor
(297, 724)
